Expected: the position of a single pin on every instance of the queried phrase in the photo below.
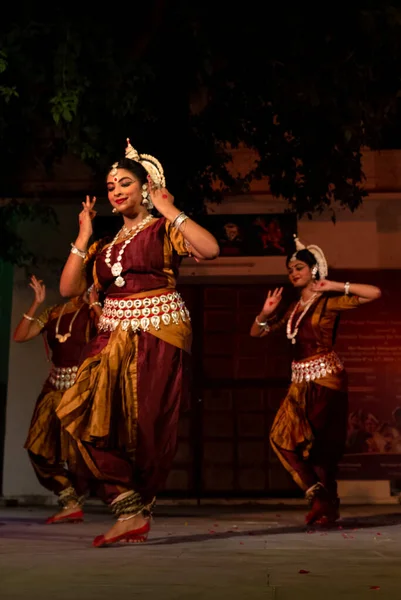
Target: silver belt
(142, 313)
(309, 370)
(62, 378)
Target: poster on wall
(370, 345)
(253, 234)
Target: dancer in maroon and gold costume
(309, 431)
(123, 409)
(67, 329)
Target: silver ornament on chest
(63, 338)
(120, 282)
(116, 269)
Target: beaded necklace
(291, 335)
(117, 267)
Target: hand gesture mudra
(272, 301)
(159, 196)
(323, 285)
(86, 217)
(39, 288)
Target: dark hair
(305, 256)
(133, 167)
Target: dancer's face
(124, 191)
(299, 273)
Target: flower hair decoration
(151, 165)
(317, 253)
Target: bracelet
(177, 217)
(75, 250)
(263, 325)
(178, 221)
(95, 304)
(28, 317)
(346, 288)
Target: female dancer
(309, 430)
(123, 409)
(68, 328)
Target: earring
(314, 272)
(114, 211)
(146, 201)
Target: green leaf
(67, 116)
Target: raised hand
(325, 285)
(272, 301)
(86, 217)
(160, 197)
(39, 288)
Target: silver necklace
(117, 267)
(291, 335)
(64, 337)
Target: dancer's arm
(29, 326)
(365, 293)
(73, 279)
(262, 324)
(201, 243)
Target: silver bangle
(95, 304)
(262, 324)
(28, 317)
(177, 217)
(75, 250)
(346, 288)
(178, 221)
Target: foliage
(305, 88)
(13, 247)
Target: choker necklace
(291, 335)
(117, 267)
(60, 337)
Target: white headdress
(149, 163)
(317, 253)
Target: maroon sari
(309, 430)
(124, 408)
(48, 447)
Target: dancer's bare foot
(71, 513)
(124, 525)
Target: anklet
(121, 519)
